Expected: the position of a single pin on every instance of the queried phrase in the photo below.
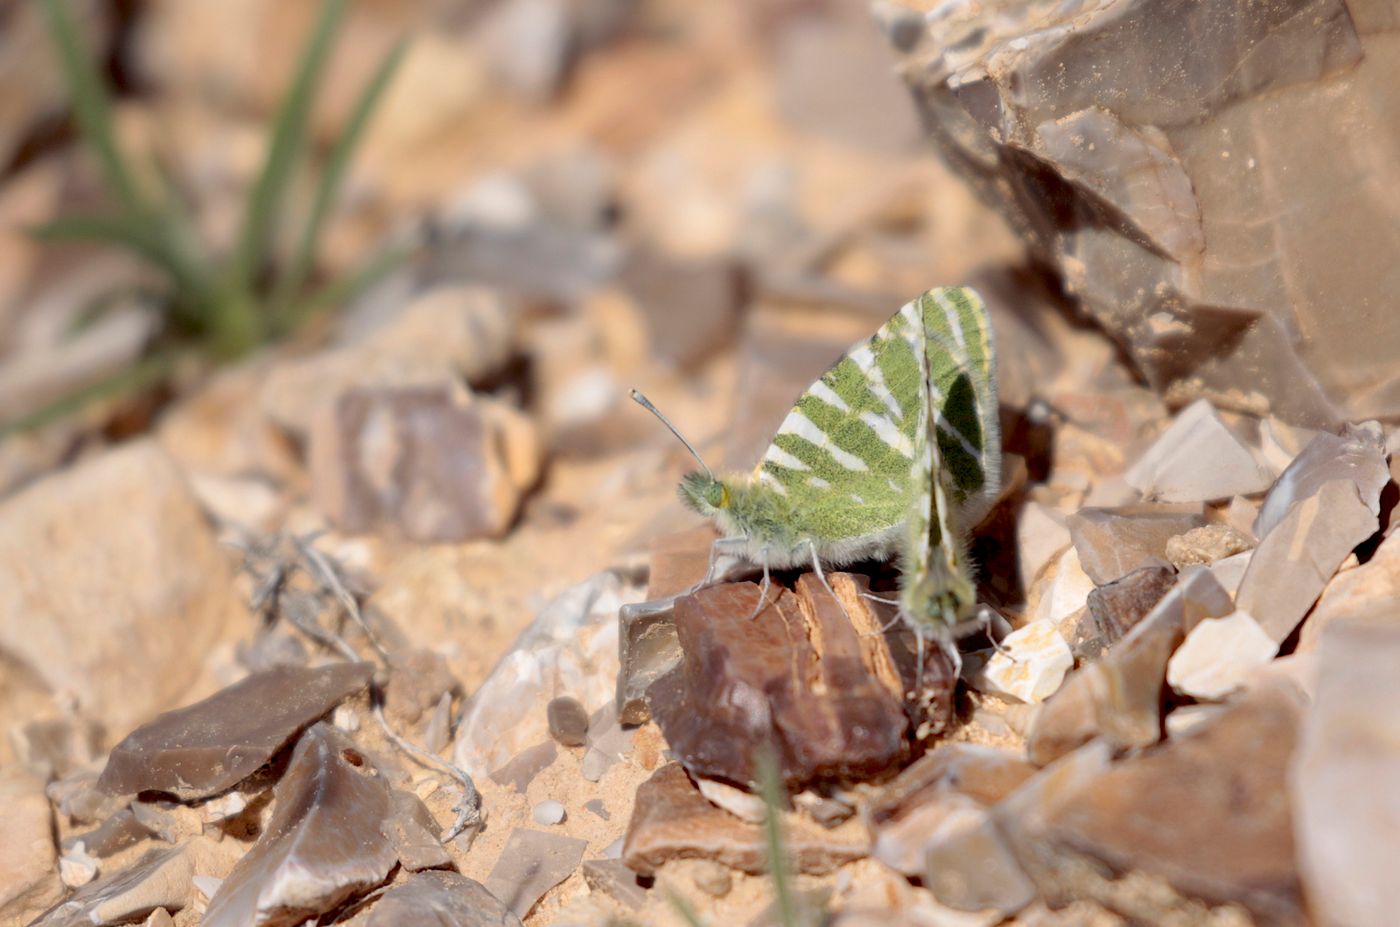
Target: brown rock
(28, 877)
(799, 676)
(568, 721)
(648, 650)
(109, 596)
(1114, 542)
(525, 766)
(323, 844)
(1206, 812)
(968, 864)
(444, 899)
(531, 864)
(159, 879)
(672, 820)
(1342, 795)
(118, 832)
(689, 307)
(210, 746)
(430, 461)
(416, 836)
(1138, 150)
(612, 878)
(1119, 697)
(1117, 607)
(1290, 567)
(417, 682)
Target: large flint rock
(1181, 165)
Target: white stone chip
(1031, 665)
(1198, 459)
(1219, 655)
(1066, 592)
(548, 812)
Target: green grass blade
(341, 290)
(333, 176)
(138, 376)
(91, 107)
(122, 231)
(771, 787)
(288, 136)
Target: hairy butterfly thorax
(893, 451)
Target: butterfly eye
(723, 496)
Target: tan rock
(1361, 593)
(1030, 665)
(1198, 459)
(117, 557)
(28, 880)
(1114, 542)
(1205, 545)
(1218, 656)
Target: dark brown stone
(799, 677)
(611, 877)
(568, 721)
(1114, 542)
(211, 746)
(324, 843)
(1118, 606)
(672, 820)
(416, 836)
(118, 832)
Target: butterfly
(894, 451)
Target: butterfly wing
(843, 456)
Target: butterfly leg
(763, 588)
(821, 575)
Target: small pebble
(568, 721)
(597, 807)
(711, 878)
(549, 812)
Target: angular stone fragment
(432, 462)
(1114, 542)
(689, 307)
(968, 864)
(608, 742)
(118, 832)
(1357, 455)
(417, 681)
(1139, 148)
(1198, 459)
(1342, 789)
(612, 878)
(416, 836)
(531, 864)
(1119, 697)
(1206, 812)
(159, 879)
(111, 597)
(1290, 567)
(568, 721)
(1117, 607)
(1040, 537)
(443, 899)
(799, 676)
(1063, 592)
(1205, 545)
(525, 766)
(324, 843)
(672, 820)
(649, 649)
(1356, 594)
(1218, 656)
(1030, 664)
(210, 746)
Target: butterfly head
(704, 493)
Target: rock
(902, 814)
(1343, 806)
(525, 766)
(416, 836)
(1293, 563)
(432, 462)
(571, 646)
(1198, 459)
(746, 806)
(1356, 456)
(1063, 591)
(608, 742)
(55, 747)
(211, 746)
(672, 820)
(159, 879)
(28, 882)
(1355, 593)
(76, 868)
(1114, 542)
(1030, 665)
(596, 806)
(689, 307)
(1230, 571)
(1081, 823)
(445, 899)
(110, 596)
(1218, 656)
(1205, 545)
(568, 721)
(1041, 536)
(118, 832)
(610, 877)
(531, 864)
(968, 865)
(548, 813)
(706, 874)
(1152, 176)
(417, 682)
(450, 332)
(323, 844)
(800, 676)
(1119, 697)
(1117, 607)
(649, 650)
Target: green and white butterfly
(894, 451)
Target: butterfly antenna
(645, 403)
